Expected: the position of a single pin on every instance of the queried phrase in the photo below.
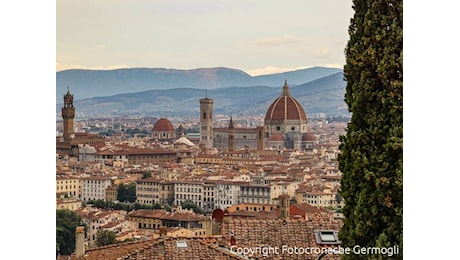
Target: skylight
(328, 237)
(181, 244)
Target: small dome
(276, 137)
(308, 137)
(285, 107)
(163, 125)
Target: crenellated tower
(68, 114)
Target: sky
(256, 36)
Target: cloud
(60, 67)
(333, 65)
(275, 41)
(272, 69)
(322, 53)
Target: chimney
(80, 241)
(163, 231)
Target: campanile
(206, 107)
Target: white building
(93, 187)
(227, 194)
(188, 190)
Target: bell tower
(231, 135)
(68, 114)
(206, 131)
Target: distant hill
(321, 95)
(94, 83)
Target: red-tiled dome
(285, 107)
(276, 137)
(163, 125)
(308, 137)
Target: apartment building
(68, 186)
(94, 187)
(153, 190)
(256, 193)
(227, 193)
(188, 190)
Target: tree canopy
(105, 237)
(188, 204)
(66, 223)
(126, 192)
(372, 149)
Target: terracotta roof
(308, 137)
(253, 232)
(285, 107)
(163, 248)
(163, 125)
(135, 151)
(161, 214)
(276, 137)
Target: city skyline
(257, 37)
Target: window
(328, 237)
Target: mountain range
(169, 92)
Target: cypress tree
(372, 149)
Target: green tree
(146, 175)
(188, 204)
(372, 149)
(127, 192)
(66, 223)
(105, 237)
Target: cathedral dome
(285, 107)
(163, 125)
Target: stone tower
(68, 114)
(284, 206)
(206, 108)
(260, 138)
(231, 135)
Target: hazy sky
(256, 36)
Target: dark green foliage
(66, 223)
(127, 192)
(105, 237)
(372, 150)
(101, 204)
(190, 205)
(146, 175)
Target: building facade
(68, 187)
(94, 188)
(188, 191)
